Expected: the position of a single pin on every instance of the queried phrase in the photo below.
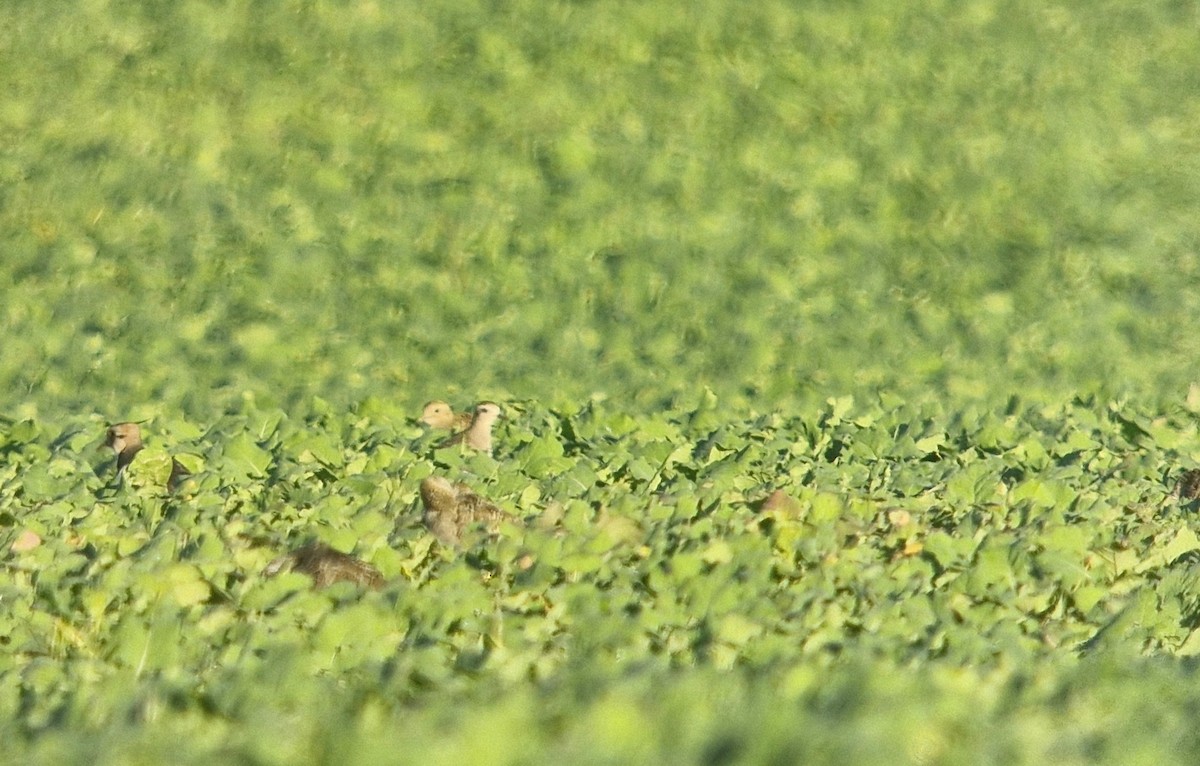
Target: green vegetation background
(204, 204)
(783, 201)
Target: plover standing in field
(326, 566)
(439, 414)
(125, 439)
(1188, 487)
(451, 508)
(478, 435)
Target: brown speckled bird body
(326, 566)
(1189, 485)
(450, 509)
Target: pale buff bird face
(486, 413)
(437, 414)
(124, 436)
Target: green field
(928, 273)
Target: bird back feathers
(326, 566)
(450, 509)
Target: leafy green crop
(846, 352)
(1000, 546)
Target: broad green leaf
(825, 507)
(1183, 541)
(718, 552)
(244, 453)
(737, 630)
(186, 585)
(950, 552)
(319, 446)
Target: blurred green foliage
(780, 201)
(925, 270)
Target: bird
(478, 435)
(451, 508)
(179, 474)
(326, 566)
(439, 414)
(125, 439)
(1188, 487)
